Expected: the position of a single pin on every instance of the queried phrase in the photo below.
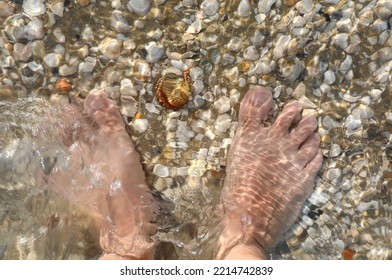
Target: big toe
(103, 111)
(256, 105)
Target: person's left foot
(103, 172)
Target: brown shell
(63, 85)
(174, 91)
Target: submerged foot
(270, 173)
(103, 172)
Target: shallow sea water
(335, 57)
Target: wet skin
(104, 174)
(270, 173)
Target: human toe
(103, 111)
(308, 151)
(287, 119)
(314, 165)
(256, 105)
(303, 130)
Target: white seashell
(210, 7)
(140, 125)
(34, 7)
(333, 174)
(58, 8)
(340, 40)
(195, 27)
(59, 35)
(375, 94)
(304, 6)
(88, 65)
(299, 91)
(251, 53)
(260, 18)
(363, 111)
(151, 108)
(235, 44)
(298, 21)
(263, 67)
(223, 122)
(110, 47)
(329, 77)
(53, 59)
(345, 25)
(383, 9)
(127, 88)
(154, 52)
(34, 30)
(335, 150)
(116, 4)
(222, 104)
(264, 6)
(306, 103)
(139, 7)
(281, 46)
(352, 123)
(243, 9)
(161, 170)
(346, 64)
(129, 110)
(118, 22)
(198, 86)
(329, 123)
(196, 73)
(22, 52)
(70, 68)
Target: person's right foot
(104, 173)
(270, 173)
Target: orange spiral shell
(173, 91)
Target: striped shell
(174, 91)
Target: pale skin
(259, 205)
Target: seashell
(141, 70)
(264, 6)
(22, 52)
(34, 30)
(243, 9)
(53, 59)
(289, 69)
(174, 91)
(63, 85)
(14, 28)
(57, 8)
(139, 7)
(110, 47)
(29, 77)
(34, 7)
(304, 6)
(383, 9)
(118, 22)
(154, 52)
(210, 7)
(235, 44)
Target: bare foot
(270, 173)
(103, 172)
